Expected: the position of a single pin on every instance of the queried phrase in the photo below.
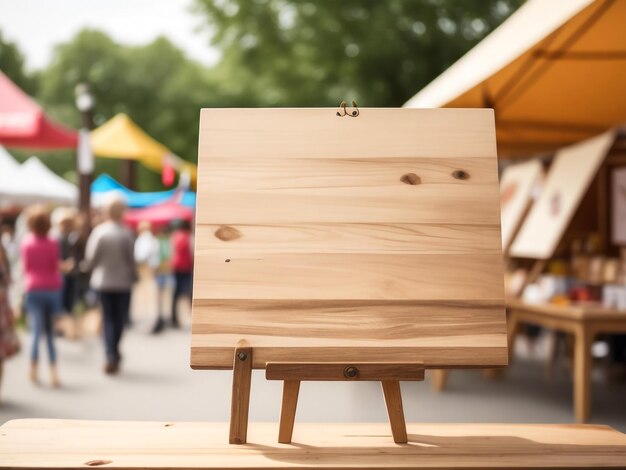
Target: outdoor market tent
(9, 169)
(554, 72)
(106, 184)
(8, 165)
(24, 124)
(159, 215)
(32, 182)
(120, 137)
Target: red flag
(168, 174)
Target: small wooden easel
(346, 244)
(292, 373)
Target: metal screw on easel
(350, 372)
(242, 356)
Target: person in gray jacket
(109, 256)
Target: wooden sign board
(569, 177)
(371, 238)
(517, 183)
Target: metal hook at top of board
(343, 109)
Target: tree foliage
(314, 53)
(273, 53)
(12, 65)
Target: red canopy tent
(159, 215)
(24, 124)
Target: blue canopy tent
(105, 184)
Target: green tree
(314, 53)
(12, 65)
(156, 85)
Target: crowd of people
(64, 264)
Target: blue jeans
(182, 288)
(42, 306)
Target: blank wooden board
(568, 179)
(517, 183)
(326, 238)
(67, 444)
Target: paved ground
(157, 384)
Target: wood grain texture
(54, 444)
(348, 191)
(353, 331)
(338, 371)
(348, 238)
(318, 133)
(370, 239)
(347, 276)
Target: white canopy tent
(32, 182)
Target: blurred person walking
(42, 276)
(110, 258)
(163, 275)
(9, 342)
(69, 263)
(147, 259)
(182, 265)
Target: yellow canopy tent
(555, 73)
(120, 137)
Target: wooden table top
(577, 311)
(47, 444)
(324, 238)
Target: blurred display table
(584, 322)
(46, 444)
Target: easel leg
(393, 399)
(291, 388)
(240, 403)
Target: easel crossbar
(333, 371)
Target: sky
(38, 25)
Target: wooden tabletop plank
(577, 311)
(54, 444)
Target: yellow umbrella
(555, 73)
(120, 137)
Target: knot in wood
(98, 462)
(226, 233)
(410, 178)
(461, 174)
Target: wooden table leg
(512, 330)
(553, 352)
(439, 377)
(583, 339)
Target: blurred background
(100, 103)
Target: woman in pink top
(182, 265)
(41, 266)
